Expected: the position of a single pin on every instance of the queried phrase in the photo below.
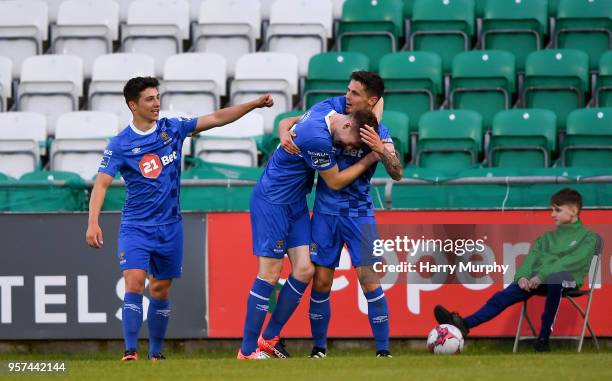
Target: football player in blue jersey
(280, 220)
(147, 153)
(346, 216)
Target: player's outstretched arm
(229, 114)
(94, 233)
(386, 152)
(337, 179)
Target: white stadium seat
(156, 28)
(260, 73)
(300, 27)
(109, 75)
(338, 4)
(266, 6)
(194, 10)
(6, 82)
(233, 143)
(22, 134)
(80, 140)
(85, 28)
(23, 28)
(194, 82)
(229, 28)
(50, 84)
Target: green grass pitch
(477, 363)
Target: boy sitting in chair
(558, 260)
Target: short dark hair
(133, 87)
(566, 196)
(373, 84)
(363, 117)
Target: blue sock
(320, 315)
(158, 316)
(257, 307)
(288, 299)
(378, 314)
(131, 319)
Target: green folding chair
(603, 89)
(588, 139)
(37, 192)
(399, 128)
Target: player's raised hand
(371, 138)
(94, 236)
(265, 101)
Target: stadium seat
(156, 28)
(194, 10)
(194, 83)
(233, 144)
(557, 80)
(110, 72)
(449, 140)
(519, 27)
(266, 8)
(300, 27)
(483, 81)
(408, 8)
(329, 75)
(337, 8)
(50, 84)
(585, 25)
(523, 138)
(23, 138)
(80, 140)
(85, 28)
(43, 195)
(5, 192)
(553, 7)
(229, 28)
(588, 139)
(603, 90)
(445, 27)
(261, 73)
(6, 82)
(371, 27)
(413, 83)
(23, 28)
(479, 7)
(398, 125)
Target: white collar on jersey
(147, 132)
(332, 112)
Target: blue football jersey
(354, 200)
(287, 178)
(150, 164)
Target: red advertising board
(232, 269)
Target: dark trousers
(512, 294)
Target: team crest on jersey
(122, 257)
(165, 137)
(279, 246)
(313, 248)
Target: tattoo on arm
(392, 164)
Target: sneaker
(257, 355)
(318, 353)
(130, 355)
(274, 347)
(443, 316)
(383, 354)
(541, 346)
(157, 357)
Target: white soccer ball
(445, 339)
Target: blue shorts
(330, 233)
(276, 228)
(155, 249)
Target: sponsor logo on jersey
(352, 152)
(151, 165)
(136, 150)
(320, 159)
(104, 162)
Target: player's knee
(320, 284)
(159, 291)
(304, 271)
(269, 276)
(134, 286)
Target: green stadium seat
(442, 26)
(5, 192)
(413, 83)
(585, 25)
(553, 6)
(603, 91)
(588, 139)
(408, 6)
(479, 7)
(523, 138)
(217, 198)
(371, 27)
(556, 80)
(329, 75)
(449, 140)
(399, 127)
(517, 27)
(483, 81)
(36, 192)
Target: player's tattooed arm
(286, 135)
(385, 151)
(229, 114)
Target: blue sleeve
(184, 126)
(319, 154)
(384, 134)
(112, 159)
